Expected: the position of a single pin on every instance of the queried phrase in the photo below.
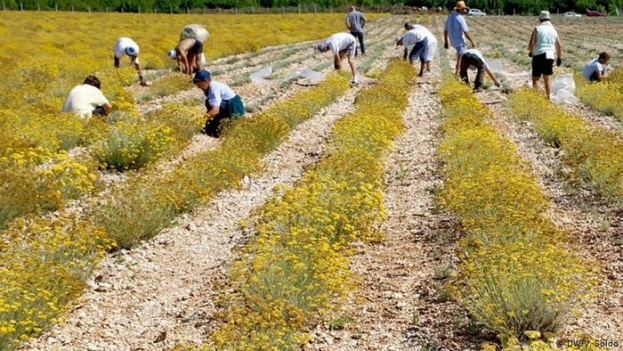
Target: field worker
(189, 55)
(544, 47)
(221, 102)
(431, 48)
(341, 44)
(180, 66)
(355, 21)
(473, 57)
(416, 37)
(595, 70)
(456, 30)
(127, 46)
(87, 99)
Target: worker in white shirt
(341, 44)
(221, 102)
(429, 50)
(595, 70)
(127, 46)
(473, 57)
(87, 99)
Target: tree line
(508, 7)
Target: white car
(476, 12)
(571, 14)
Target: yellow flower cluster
(595, 154)
(518, 272)
(296, 264)
(147, 202)
(606, 96)
(44, 265)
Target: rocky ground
(160, 293)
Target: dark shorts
(196, 49)
(419, 51)
(542, 66)
(231, 109)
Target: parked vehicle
(476, 12)
(590, 13)
(571, 14)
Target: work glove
(530, 54)
(445, 46)
(558, 62)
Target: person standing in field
(473, 57)
(221, 102)
(127, 46)
(595, 70)
(87, 99)
(341, 44)
(456, 30)
(544, 47)
(430, 49)
(355, 21)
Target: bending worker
(473, 57)
(87, 99)
(341, 44)
(127, 46)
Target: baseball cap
(322, 46)
(131, 51)
(201, 75)
(172, 53)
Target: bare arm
(470, 39)
(107, 109)
(213, 111)
(532, 41)
(558, 47)
(492, 76)
(116, 61)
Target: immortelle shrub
(44, 265)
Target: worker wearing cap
(430, 48)
(87, 99)
(341, 44)
(221, 102)
(473, 57)
(127, 46)
(456, 30)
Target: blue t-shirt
(356, 20)
(456, 26)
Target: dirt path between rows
(157, 294)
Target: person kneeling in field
(473, 57)
(221, 102)
(595, 70)
(87, 99)
(341, 44)
(127, 46)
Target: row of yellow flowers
(519, 275)
(594, 154)
(295, 266)
(49, 260)
(606, 96)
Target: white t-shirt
(340, 41)
(219, 92)
(82, 99)
(429, 35)
(546, 37)
(591, 68)
(122, 44)
(478, 54)
(413, 36)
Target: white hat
(172, 54)
(544, 15)
(131, 51)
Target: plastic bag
(563, 89)
(260, 76)
(194, 31)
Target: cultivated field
(403, 213)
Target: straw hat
(460, 5)
(544, 16)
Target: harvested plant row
(519, 276)
(295, 265)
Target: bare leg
(458, 63)
(353, 67)
(535, 83)
(548, 85)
